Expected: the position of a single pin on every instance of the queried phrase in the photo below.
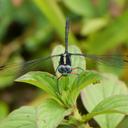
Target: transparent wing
(118, 61)
(21, 68)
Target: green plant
(97, 26)
(60, 108)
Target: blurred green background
(30, 29)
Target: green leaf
(94, 94)
(115, 104)
(110, 37)
(66, 90)
(48, 115)
(71, 89)
(84, 80)
(43, 80)
(81, 7)
(57, 50)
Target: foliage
(103, 90)
(62, 101)
(30, 117)
(30, 29)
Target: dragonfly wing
(118, 61)
(21, 68)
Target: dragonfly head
(64, 69)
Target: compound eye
(61, 68)
(68, 68)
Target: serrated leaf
(81, 7)
(42, 80)
(69, 86)
(48, 115)
(71, 89)
(94, 94)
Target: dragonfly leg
(78, 68)
(74, 73)
(58, 84)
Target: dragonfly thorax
(64, 69)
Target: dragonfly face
(64, 69)
(65, 64)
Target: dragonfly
(65, 65)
